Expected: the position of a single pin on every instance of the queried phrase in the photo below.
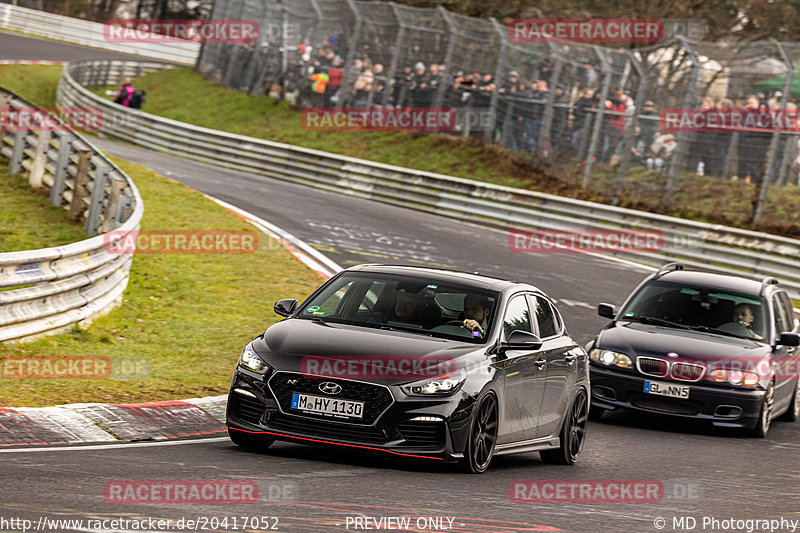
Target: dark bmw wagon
(700, 345)
(416, 362)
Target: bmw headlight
(251, 361)
(611, 358)
(440, 385)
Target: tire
(793, 413)
(765, 414)
(248, 440)
(482, 437)
(573, 434)
(596, 413)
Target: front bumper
(253, 408)
(723, 407)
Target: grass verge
(27, 219)
(184, 318)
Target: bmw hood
(636, 339)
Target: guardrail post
(39, 159)
(96, 203)
(18, 152)
(62, 162)
(77, 206)
(112, 214)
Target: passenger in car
(415, 308)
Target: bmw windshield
(419, 305)
(697, 308)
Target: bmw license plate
(333, 407)
(666, 389)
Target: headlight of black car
(611, 358)
(251, 361)
(438, 386)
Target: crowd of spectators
(520, 107)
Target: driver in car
(476, 314)
(745, 317)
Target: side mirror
(285, 307)
(521, 340)
(606, 311)
(789, 339)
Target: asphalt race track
(705, 473)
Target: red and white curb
(80, 423)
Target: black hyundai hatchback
(700, 345)
(416, 362)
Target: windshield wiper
(707, 329)
(657, 321)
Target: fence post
(96, 203)
(77, 206)
(501, 60)
(390, 81)
(448, 56)
(600, 114)
(630, 127)
(112, 211)
(344, 88)
(767, 173)
(547, 118)
(39, 159)
(683, 140)
(62, 163)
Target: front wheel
(482, 437)
(249, 440)
(765, 414)
(573, 433)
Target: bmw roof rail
(669, 267)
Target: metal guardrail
(87, 33)
(697, 244)
(48, 289)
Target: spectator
(661, 151)
(752, 142)
(420, 86)
(125, 93)
(586, 102)
(363, 85)
(613, 127)
(335, 74)
(559, 135)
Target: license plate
(666, 389)
(333, 407)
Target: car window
(787, 305)
(701, 307)
(422, 305)
(517, 317)
(545, 317)
(783, 321)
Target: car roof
(713, 280)
(473, 279)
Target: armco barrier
(696, 244)
(87, 33)
(44, 290)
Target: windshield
(426, 306)
(698, 308)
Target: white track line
(78, 448)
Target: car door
(523, 374)
(785, 358)
(561, 372)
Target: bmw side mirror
(521, 340)
(606, 311)
(285, 307)
(789, 339)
